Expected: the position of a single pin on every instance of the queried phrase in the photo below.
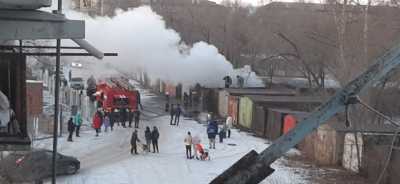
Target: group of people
(119, 116)
(123, 115)
(175, 113)
(74, 125)
(212, 130)
(239, 79)
(151, 138)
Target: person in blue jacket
(212, 131)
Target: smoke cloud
(142, 41)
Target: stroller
(204, 153)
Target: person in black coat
(172, 113)
(137, 119)
(130, 117)
(124, 116)
(154, 139)
(178, 111)
(147, 135)
(134, 139)
(71, 129)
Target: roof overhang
(35, 24)
(24, 4)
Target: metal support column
(56, 102)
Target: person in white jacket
(188, 143)
(229, 125)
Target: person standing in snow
(124, 116)
(116, 117)
(166, 102)
(229, 125)
(106, 122)
(222, 133)
(137, 119)
(172, 113)
(185, 100)
(71, 128)
(147, 135)
(97, 122)
(212, 131)
(130, 117)
(188, 143)
(178, 112)
(78, 123)
(134, 139)
(154, 139)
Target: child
(106, 122)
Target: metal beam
(28, 30)
(55, 54)
(89, 48)
(254, 172)
(38, 47)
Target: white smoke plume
(141, 39)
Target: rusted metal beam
(255, 172)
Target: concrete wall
(223, 100)
(350, 159)
(324, 145)
(328, 146)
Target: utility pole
(255, 167)
(56, 101)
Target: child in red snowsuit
(97, 123)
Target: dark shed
(13, 85)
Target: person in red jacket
(97, 122)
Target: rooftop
(261, 91)
(289, 99)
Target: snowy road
(106, 159)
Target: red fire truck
(117, 93)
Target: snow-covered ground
(106, 159)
